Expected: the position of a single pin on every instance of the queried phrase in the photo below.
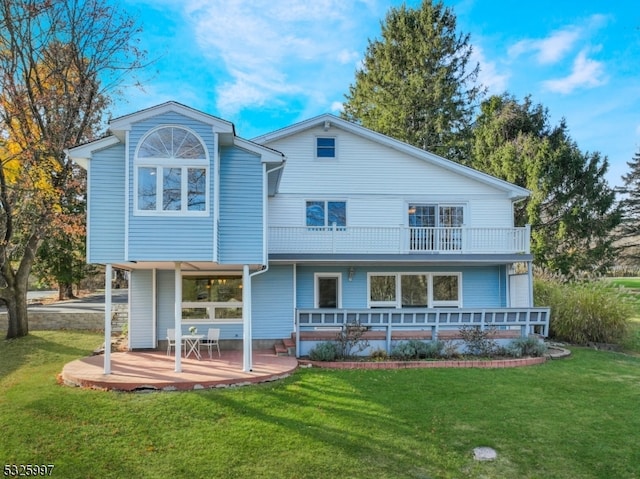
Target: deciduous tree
(58, 63)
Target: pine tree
(416, 83)
(572, 209)
(629, 236)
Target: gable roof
(327, 120)
(123, 123)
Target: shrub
(404, 350)
(324, 352)
(478, 341)
(523, 347)
(379, 355)
(434, 349)
(585, 312)
(350, 339)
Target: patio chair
(213, 336)
(171, 341)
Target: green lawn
(572, 418)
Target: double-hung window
(414, 290)
(326, 214)
(172, 169)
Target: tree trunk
(16, 301)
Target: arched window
(171, 172)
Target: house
(299, 232)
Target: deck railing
(397, 240)
(525, 320)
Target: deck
(154, 370)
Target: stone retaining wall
(54, 321)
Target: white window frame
(335, 148)
(437, 206)
(326, 224)
(431, 303)
(210, 306)
(316, 290)
(161, 164)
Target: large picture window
(171, 173)
(414, 290)
(212, 298)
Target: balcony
(398, 240)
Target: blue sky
(265, 64)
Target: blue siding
(241, 199)
(106, 206)
(140, 309)
(272, 313)
(481, 286)
(484, 287)
(170, 238)
(166, 295)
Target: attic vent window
(172, 170)
(325, 147)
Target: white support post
(246, 320)
(108, 271)
(178, 316)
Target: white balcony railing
(398, 240)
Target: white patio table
(192, 344)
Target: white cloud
(337, 107)
(559, 43)
(586, 73)
(548, 50)
(488, 75)
(270, 49)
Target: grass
(571, 418)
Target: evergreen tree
(629, 235)
(416, 83)
(572, 209)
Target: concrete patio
(154, 370)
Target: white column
(530, 274)
(107, 318)
(178, 316)
(246, 320)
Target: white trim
(325, 158)
(154, 306)
(161, 164)
(316, 296)
(326, 211)
(82, 154)
(127, 194)
(247, 346)
(431, 303)
(216, 194)
(177, 314)
(108, 273)
(89, 216)
(125, 122)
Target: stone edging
(493, 363)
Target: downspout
(247, 365)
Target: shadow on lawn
(15, 353)
(343, 421)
